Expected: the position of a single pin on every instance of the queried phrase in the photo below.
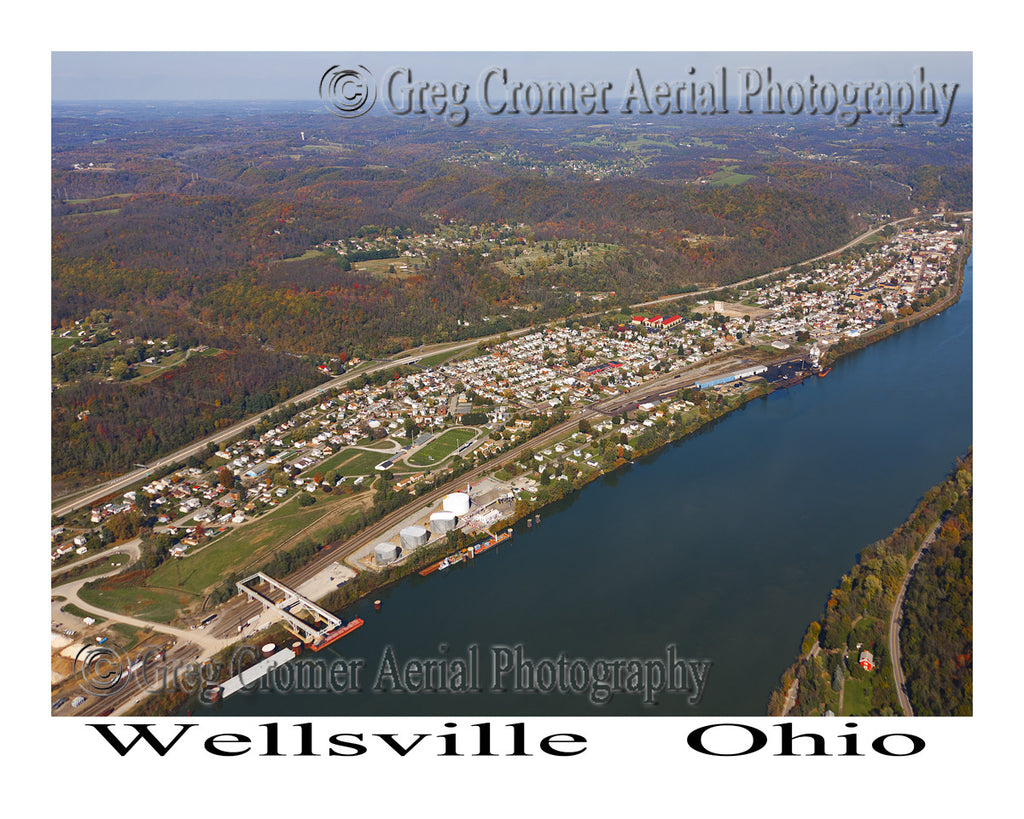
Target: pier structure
(273, 594)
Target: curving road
(209, 644)
(896, 619)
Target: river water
(725, 545)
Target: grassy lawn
(147, 372)
(160, 598)
(233, 552)
(59, 345)
(158, 605)
(309, 254)
(386, 443)
(381, 267)
(438, 358)
(99, 567)
(728, 177)
(441, 447)
(126, 636)
(72, 609)
(362, 464)
(350, 462)
(856, 697)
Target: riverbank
(713, 410)
(850, 660)
(720, 409)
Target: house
(867, 660)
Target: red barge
(466, 554)
(337, 634)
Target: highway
(71, 502)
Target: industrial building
(725, 379)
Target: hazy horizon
(174, 76)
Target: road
(132, 547)
(210, 644)
(237, 612)
(70, 503)
(778, 270)
(73, 501)
(896, 619)
(187, 646)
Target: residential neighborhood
(496, 395)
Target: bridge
(276, 595)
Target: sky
(271, 75)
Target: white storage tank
(384, 553)
(443, 522)
(456, 503)
(413, 536)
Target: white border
(633, 764)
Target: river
(725, 545)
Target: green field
(126, 636)
(309, 254)
(147, 372)
(381, 267)
(534, 258)
(72, 609)
(59, 345)
(642, 141)
(235, 551)
(728, 177)
(438, 358)
(161, 597)
(441, 447)
(99, 567)
(704, 143)
(158, 605)
(350, 462)
(856, 697)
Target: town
(570, 400)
